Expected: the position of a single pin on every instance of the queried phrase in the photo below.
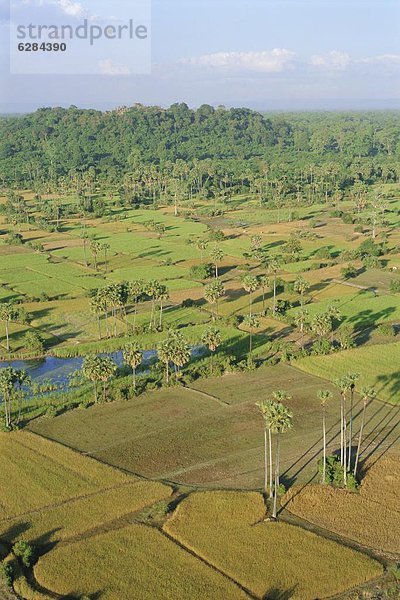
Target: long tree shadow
(279, 594)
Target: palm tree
(264, 284)
(105, 248)
(173, 350)
(281, 422)
(153, 290)
(8, 377)
(201, 245)
(95, 248)
(367, 395)
(250, 284)
(84, 237)
(344, 386)
(212, 293)
(9, 313)
(273, 268)
(324, 396)
(353, 378)
(217, 256)
(265, 407)
(301, 286)
(135, 292)
(133, 357)
(212, 339)
(97, 307)
(300, 318)
(252, 323)
(92, 370)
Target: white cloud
(332, 61)
(108, 67)
(393, 59)
(267, 61)
(72, 9)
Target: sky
(264, 54)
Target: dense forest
(150, 151)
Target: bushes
(6, 574)
(395, 286)
(387, 330)
(24, 552)
(335, 473)
(201, 271)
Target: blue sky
(266, 54)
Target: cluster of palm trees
(346, 386)
(113, 300)
(11, 383)
(277, 419)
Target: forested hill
(51, 143)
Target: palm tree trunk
(104, 390)
(265, 461)
(341, 431)
(134, 377)
(278, 448)
(274, 307)
(99, 326)
(8, 337)
(270, 464)
(350, 429)
(95, 392)
(324, 446)
(360, 439)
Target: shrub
(387, 330)
(6, 574)
(24, 552)
(335, 473)
(321, 347)
(323, 252)
(201, 271)
(347, 218)
(395, 286)
(349, 272)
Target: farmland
(197, 325)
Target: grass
(137, 558)
(49, 491)
(267, 558)
(369, 516)
(212, 435)
(377, 365)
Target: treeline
(221, 147)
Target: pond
(58, 371)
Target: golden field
(228, 530)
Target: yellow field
(371, 517)
(136, 563)
(227, 529)
(48, 492)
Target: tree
(8, 377)
(324, 396)
(301, 286)
(212, 339)
(34, 343)
(264, 284)
(212, 293)
(367, 395)
(98, 369)
(273, 268)
(266, 408)
(173, 350)
(281, 422)
(217, 256)
(353, 378)
(105, 248)
(250, 284)
(98, 307)
(344, 386)
(95, 248)
(10, 313)
(252, 323)
(300, 318)
(201, 245)
(133, 357)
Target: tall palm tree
(217, 256)
(135, 292)
(8, 377)
(273, 268)
(250, 284)
(300, 286)
(107, 369)
(105, 248)
(212, 293)
(212, 339)
(264, 284)
(367, 395)
(201, 245)
(252, 323)
(265, 407)
(9, 313)
(353, 378)
(344, 386)
(281, 422)
(133, 357)
(324, 396)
